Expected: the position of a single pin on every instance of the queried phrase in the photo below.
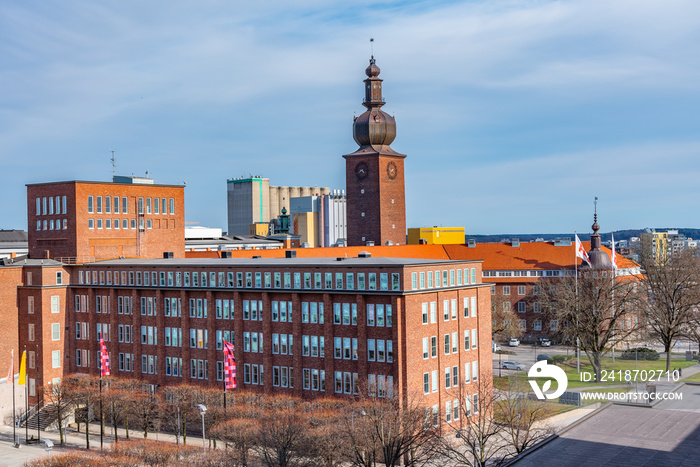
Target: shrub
(556, 359)
(642, 353)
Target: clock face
(361, 170)
(391, 170)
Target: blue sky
(513, 114)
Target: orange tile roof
(531, 255)
(495, 256)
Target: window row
(345, 382)
(537, 325)
(275, 280)
(282, 376)
(51, 224)
(431, 380)
(283, 344)
(253, 374)
(253, 342)
(45, 205)
(444, 278)
(429, 310)
(380, 350)
(313, 379)
(199, 369)
(313, 346)
(152, 205)
(451, 344)
(380, 385)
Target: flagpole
(14, 411)
(26, 403)
(578, 350)
(612, 285)
(102, 420)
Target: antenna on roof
(114, 163)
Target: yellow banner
(23, 369)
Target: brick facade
(63, 224)
(406, 333)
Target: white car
(514, 342)
(496, 348)
(513, 366)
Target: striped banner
(229, 366)
(104, 358)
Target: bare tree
(384, 428)
(325, 440)
(504, 322)
(62, 397)
(672, 287)
(592, 310)
(240, 434)
(475, 438)
(281, 432)
(147, 407)
(84, 392)
(523, 419)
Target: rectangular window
(91, 208)
(424, 307)
(433, 346)
(474, 339)
(55, 331)
(56, 359)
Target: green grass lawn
(614, 372)
(551, 408)
(693, 379)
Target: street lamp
(202, 411)
(48, 445)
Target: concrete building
(320, 220)
(79, 220)
(252, 201)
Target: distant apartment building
(320, 221)
(252, 201)
(80, 220)
(660, 245)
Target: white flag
(580, 251)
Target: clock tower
(374, 181)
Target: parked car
(514, 342)
(496, 347)
(544, 342)
(543, 356)
(513, 366)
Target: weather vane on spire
(595, 209)
(371, 46)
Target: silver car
(507, 365)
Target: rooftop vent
(364, 254)
(515, 242)
(340, 259)
(369, 243)
(422, 241)
(257, 256)
(388, 243)
(562, 242)
(290, 254)
(168, 255)
(225, 254)
(471, 243)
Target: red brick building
(79, 221)
(308, 327)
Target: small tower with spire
(599, 258)
(374, 178)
